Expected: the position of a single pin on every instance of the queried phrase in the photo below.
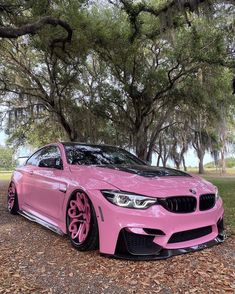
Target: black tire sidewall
(14, 210)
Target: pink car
(104, 197)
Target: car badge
(193, 191)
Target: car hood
(146, 180)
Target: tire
(81, 222)
(12, 199)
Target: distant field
(213, 171)
(226, 186)
(5, 175)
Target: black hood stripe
(147, 171)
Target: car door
(45, 184)
(27, 183)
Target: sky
(190, 158)
(2, 138)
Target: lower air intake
(190, 234)
(136, 244)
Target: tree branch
(166, 13)
(33, 28)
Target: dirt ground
(35, 260)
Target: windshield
(79, 154)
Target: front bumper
(142, 247)
(166, 253)
(155, 233)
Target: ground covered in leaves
(35, 260)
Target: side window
(34, 159)
(44, 153)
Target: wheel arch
(71, 194)
(93, 236)
(16, 178)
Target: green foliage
(36, 134)
(229, 162)
(124, 79)
(7, 161)
(226, 188)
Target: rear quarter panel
(17, 178)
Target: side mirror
(51, 163)
(21, 160)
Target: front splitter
(166, 253)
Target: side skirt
(40, 221)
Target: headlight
(128, 200)
(217, 196)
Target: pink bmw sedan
(104, 197)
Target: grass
(5, 175)
(226, 186)
(229, 171)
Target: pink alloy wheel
(80, 216)
(11, 196)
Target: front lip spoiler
(166, 253)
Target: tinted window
(44, 153)
(99, 155)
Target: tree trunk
(149, 154)
(223, 141)
(165, 155)
(200, 149)
(184, 165)
(152, 142)
(141, 143)
(201, 167)
(141, 147)
(223, 164)
(70, 131)
(177, 164)
(164, 161)
(158, 159)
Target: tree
(7, 161)
(139, 80)
(50, 91)
(144, 72)
(41, 79)
(33, 28)
(171, 14)
(122, 80)
(19, 19)
(207, 119)
(204, 123)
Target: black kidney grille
(179, 204)
(207, 201)
(190, 234)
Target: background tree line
(154, 77)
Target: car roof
(88, 144)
